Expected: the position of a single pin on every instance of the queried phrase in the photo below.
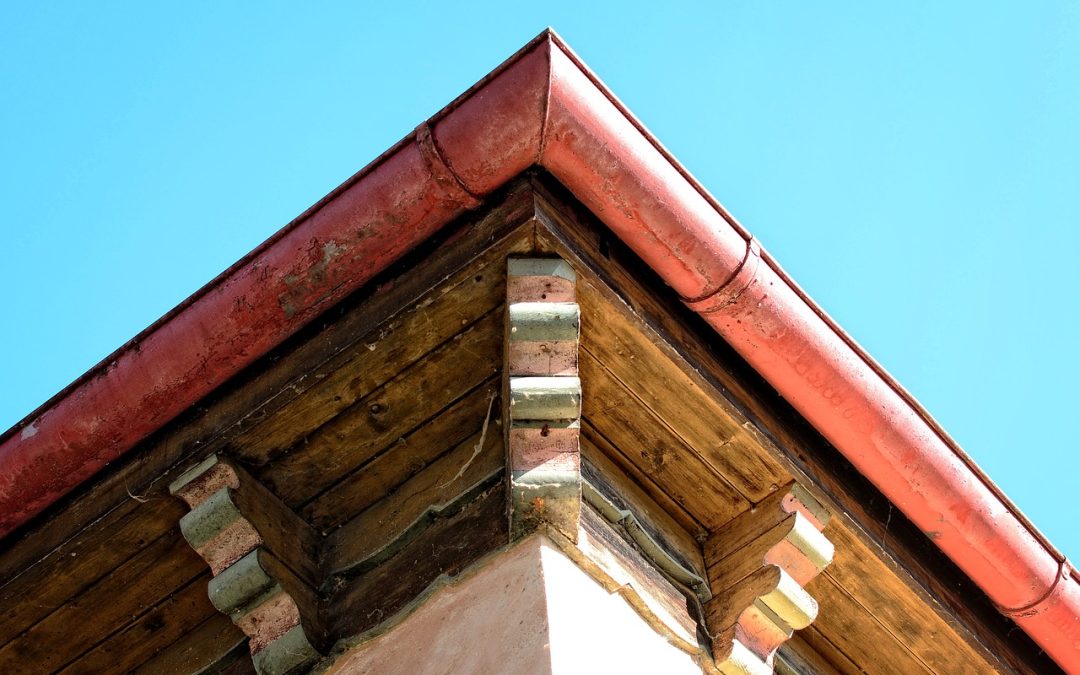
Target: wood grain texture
(56, 606)
(402, 340)
(600, 471)
(80, 562)
(402, 460)
(674, 468)
(389, 413)
(897, 608)
(859, 635)
(86, 536)
(631, 353)
(287, 372)
(595, 444)
(444, 549)
(473, 461)
(139, 641)
(758, 566)
(215, 641)
(284, 534)
(106, 607)
(823, 656)
(787, 438)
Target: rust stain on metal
(543, 106)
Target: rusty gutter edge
(261, 248)
(782, 273)
(543, 106)
(389, 206)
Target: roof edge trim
(543, 106)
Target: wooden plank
(787, 437)
(830, 653)
(388, 350)
(595, 445)
(897, 608)
(796, 657)
(448, 258)
(283, 533)
(287, 372)
(113, 544)
(467, 465)
(212, 642)
(631, 352)
(156, 629)
(83, 560)
(106, 607)
(388, 413)
(620, 328)
(633, 289)
(238, 664)
(402, 460)
(675, 468)
(602, 472)
(443, 550)
(858, 634)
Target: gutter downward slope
(604, 156)
(544, 107)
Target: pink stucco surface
(527, 610)
(493, 621)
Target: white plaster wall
(593, 631)
(529, 610)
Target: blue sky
(912, 165)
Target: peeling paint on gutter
(544, 107)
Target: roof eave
(543, 107)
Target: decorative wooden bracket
(544, 396)
(262, 557)
(758, 565)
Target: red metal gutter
(544, 107)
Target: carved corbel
(758, 566)
(543, 395)
(262, 557)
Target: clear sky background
(914, 166)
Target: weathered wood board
(363, 422)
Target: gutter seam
(733, 287)
(424, 202)
(649, 136)
(439, 167)
(1032, 609)
(889, 380)
(544, 120)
